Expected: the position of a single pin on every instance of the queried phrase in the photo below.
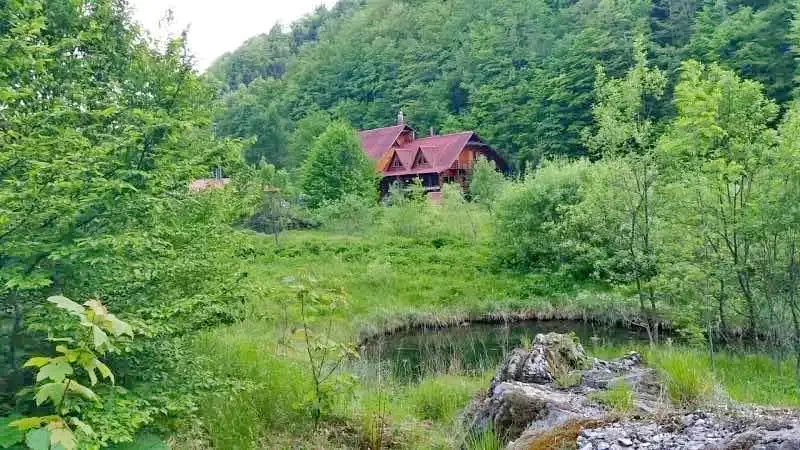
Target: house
(402, 156)
(216, 181)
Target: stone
(525, 403)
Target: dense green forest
(520, 73)
(657, 188)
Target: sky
(219, 26)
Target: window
(396, 164)
(420, 159)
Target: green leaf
(67, 304)
(99, 338)
(9, 435)
(118, 327)
(38, 439)
(63, 437)
(82, 426)
(55, 370)
(51, 391)
(82, 390)
(26, 423)
(105, 371)
(37, 361)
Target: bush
(528, 216)
(337, 166)
(486, 183)
(349, 214)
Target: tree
(302, 139)
(486, 182)
(255, 113)
(719, 147)
(625, 135)
(337, 166)
(99, 145)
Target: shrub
(486, 183)
(349, 214)
(528, 216)
(337, 166)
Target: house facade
(402, 156)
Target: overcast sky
(219, 26)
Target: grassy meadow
(429, 275)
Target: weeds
(619, 398)
(439, 398)
(487, 440)
(687, 375)
(569, 380)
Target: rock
(552, 355)
(529, 409)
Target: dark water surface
(476, 347)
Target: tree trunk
(723, 325)
(744, 283)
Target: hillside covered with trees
(520, 73)
(655, 193)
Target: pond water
(477, 347)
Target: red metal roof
(377, 141)
(439, 151)
(203, 184)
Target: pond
(476, 347)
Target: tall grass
(438, 398)
(619, 398)
(266, 391)
(488, 440)
(688, 376)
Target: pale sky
(219, 26)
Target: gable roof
(381, 144)
(377, 141)
(439, 151)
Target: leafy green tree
(337, 166)
(720, 145)
(302, 139)
(486, 182)
(99, 145)
(255, 113)
(751, 38)
(625, 131)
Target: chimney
(401, 120)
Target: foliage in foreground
(57, 381)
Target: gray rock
(524, 404)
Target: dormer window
(396, 164)
(420, 159)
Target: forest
(655, 147)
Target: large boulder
(547, 385)
(552, 355)
(547, 397)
